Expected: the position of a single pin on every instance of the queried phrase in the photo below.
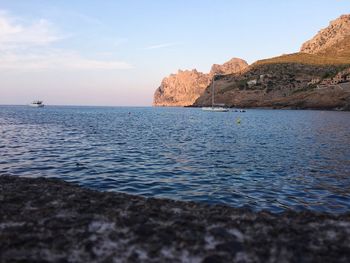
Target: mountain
(183, 88)
(335, 33)
(235, 65)
(317, 77)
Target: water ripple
(273, 160)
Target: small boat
(215, 107)
(37, 104)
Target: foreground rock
(183, 88)
(45, 220)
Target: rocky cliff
(232, 66)
(183, 88)
(337, 31)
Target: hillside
(281, 85)
(333, 57)
(316, 78)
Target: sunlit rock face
(232, 66)
(181, 89)
(184, 88)
(336, 32)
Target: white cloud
(14, 35)
(164, 45)
(28, 46)
(56, 59)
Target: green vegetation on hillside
(308, 59)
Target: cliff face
(337, 31)
(235, 65)
(183, 88)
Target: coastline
(51, 220)
(265, 108)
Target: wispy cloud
(163, 45)
(56, 59)
(15, 35)
(29, 46)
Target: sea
(261, 159)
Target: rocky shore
(46, 220)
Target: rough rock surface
(327, 37)
(44, 220)
(235, 65)
(281, 85)
(183, 88)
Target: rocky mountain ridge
(316, 78)
(183, 88)
(336, 31)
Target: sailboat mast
(212, 92)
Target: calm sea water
(272, 160)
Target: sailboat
(217, 107)
(37, 104)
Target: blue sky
(116, 53)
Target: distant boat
(37, 104)
(215, 108)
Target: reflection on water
(271, 160)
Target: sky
(116, 52)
